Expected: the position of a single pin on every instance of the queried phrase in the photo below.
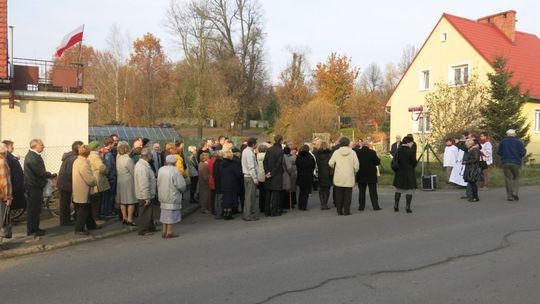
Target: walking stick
(290, 201)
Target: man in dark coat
(65, 183)
(35, 179)
(367, 177)
(17, 177)
(273, 168)
(405, 176)
(395, 146)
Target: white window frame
(451, 73)
(421, 80)
(536, 120)
(444, 36)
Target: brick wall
(3, 40)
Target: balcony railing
(45, 75)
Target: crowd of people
(109, 179)
(468, 161)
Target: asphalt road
(447, 251)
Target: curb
(12, 253)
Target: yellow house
(455, 49)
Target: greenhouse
(130, 133)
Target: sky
(367, 31)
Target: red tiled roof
(523, 55)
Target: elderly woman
(125, 186)
(290, 175)
(193, 169)
(171, 185)
(205, 195)
(261, 152)
(473, 172)
(345, 164)
(305, 165)
(83, 183)
(100, 172)
(6, 196)
(323, 155)
(405, 177)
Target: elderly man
(6, 196)
(395, 146)
(157, 161)
(250, 170)
(145, 192)
(511, 150)
(35, 179)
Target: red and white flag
(70, 40)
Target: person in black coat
(323, 155)
(17, 177)
(472, 173)
(367, 177)
(405, 176)
(65, 185)
(231, 177)
(35, 179)
(273, 168)
(305, 165)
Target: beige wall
(534, 145)
(439, 57)
(57, 123)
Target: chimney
(505, 22)
(3, 40)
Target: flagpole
(80, 64)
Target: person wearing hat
(511, 150)
(101, 173)
(170, 186)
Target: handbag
(483, 164)
(6, 230)
(47, 190)
(474, 175)
(395, 162)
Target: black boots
(397, 196)
(408, 198)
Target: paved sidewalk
(64, 236)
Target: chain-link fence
(52, 156)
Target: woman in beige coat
(83, 182)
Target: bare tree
(240, 38)
(195, 32)
(407, 56)
(372, 79)
(293, 89)
(118, 49)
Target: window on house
(537, 120)
(424, 80)
(444, 36)
(461, 74)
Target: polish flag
(70, 40)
